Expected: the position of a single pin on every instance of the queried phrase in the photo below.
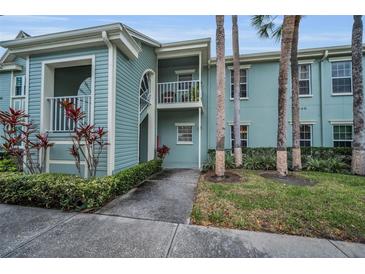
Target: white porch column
(200, 110)
(152, 120)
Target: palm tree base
(282, 162)
(238, 156)
(220, 163)
(358, 161)
(297, 159)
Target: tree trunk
(296, 154)
(220, 127)
(358, 146)
(286, 41)
(236, 88)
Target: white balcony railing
(58, 120)
(179, 92)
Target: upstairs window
(243, 136)
(243, 84)
(305, 79)
(305, 135)
(341, 77)
(19, 86)
(342, 135)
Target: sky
(315, 31)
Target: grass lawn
(334, 208)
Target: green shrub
(7, 165)
(326, 159)
(210, 163)
(70, 192)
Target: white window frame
(231, 126)
(339, 61)
(177, 133)
(23, 86)
(309, 79)
(342, 140)
(246, 68)
(311, 134)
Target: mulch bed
(290, 179)
(229, 177)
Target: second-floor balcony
(180, 94)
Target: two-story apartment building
(148, 94)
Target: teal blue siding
(101, 89)
(181, 155)
(5, 83)
(129, 74)
(66, 169)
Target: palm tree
(221, 66)
(286, 42)
(296, 153)
(358, 146)
(236, 88)
(267, 28)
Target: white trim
(180, 105)
(27, 81)
(184, 71)
(241, 67)
(66, 62)
(111, 101)
(242, 123)
(184, 124)
(176, 54)
(342, 140)
(304, 122)
(306, 62)
(10, 67)
(341, 122)
(306, 96)
(65, 162)
(342, 94)
(199, 138)
(311, 134)
(339, 59)
(178, 48)
(11, 89)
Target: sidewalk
(35, 232)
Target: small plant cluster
(325, 159)
(70, 192)
(88, 141)
(162, 152)
(22, 143)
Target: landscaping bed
(70, 192)
(333, 208)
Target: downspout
(325, 55)
(111, 109)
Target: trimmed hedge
(7, 165)
(70, 192)
(326, 159)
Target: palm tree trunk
(358, 146)
(296, 153)
(236, 88)
(286, 41)
(220, 128)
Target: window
(145, 92)
(305, 135)
(243, 84)
(342, 135)
(184, 134)
(304, 79)
(243, 136)
(19, 86)
(341, 77)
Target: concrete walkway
(168, 196)
(150, 221)
(36, 232)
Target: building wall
(259, 111)
(129, 74)
(101, 101)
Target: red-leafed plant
(162, 152)
(22, 143)
(88, 141)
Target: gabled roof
(6, 58)
(116, 33)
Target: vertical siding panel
(129, 74)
